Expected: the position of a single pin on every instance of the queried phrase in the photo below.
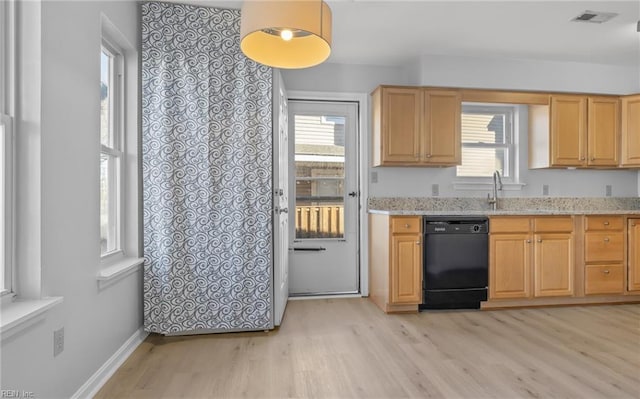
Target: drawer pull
(417, 242)
(406, 226)
(606, 271)
(606, 223)
(606, 239)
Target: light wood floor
(347, 348)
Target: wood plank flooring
(347, 348)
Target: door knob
(353, 194)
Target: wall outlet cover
(435, 190)
(374, 176)
(545, 189)
(608, 190)
(58, 341)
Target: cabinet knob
(407, 225)
(593, 158)
(605, 271)
(606, 223)
(540, 240)
(582, 158)
(606, 239)
(528, 241)
(418, 243)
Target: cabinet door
(603, 131)
(442, 124)
(631, 131)
(401, 125)
(634, 255)
(406, 269)
(568, 130)
(553, 265)
(509, 266)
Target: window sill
(118, 270)
(484, 186)
(23, 313)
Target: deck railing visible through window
(320, 221)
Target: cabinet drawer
(410, 224)
(604, 279)
(603, 247)
(553, 225)
(509, 225)
(605, 223)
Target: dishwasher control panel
(456, 226)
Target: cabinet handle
(606, 239)
(540, 240)
(528, 241)
(418, 242)
(428, 155)
(406, 226)
(593, 158)
(605, 271)
(606, 223)
(582, 158)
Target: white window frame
(7, 110)
(116, 151)
(510, 145)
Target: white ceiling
(394, 32)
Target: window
(111, 152)
(487, 142)
(7, 38)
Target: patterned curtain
(207, 173)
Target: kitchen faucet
(497, 185)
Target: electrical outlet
(435, 190)
(374, 176)
(607, 190)
(58, 341)
(545, 189)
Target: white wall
(447, 71)
(96, 321)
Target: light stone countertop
(506, 206)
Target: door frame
(362, 99)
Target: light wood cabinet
(414, 126)
(633, 260)
(604, 254)
(575, 131)
(630, 131)
(395, 262)
(531, 257)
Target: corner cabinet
(415, 126)
(575, 131)
(630, 131)
(395, 262)
(531, 256)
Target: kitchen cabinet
(604, 254)
(531, 256)
(633, 260)
(415, 126)
(575, 131)
(630, 131)
(395, 262)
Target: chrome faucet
(497, 185)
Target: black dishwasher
(455, 262)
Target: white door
(280, 199)
(324, 197)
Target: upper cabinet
(414, 126)
(575, 131)
(631, 131)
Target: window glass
(487, 141)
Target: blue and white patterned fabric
(207, 173)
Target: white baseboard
(90, 388)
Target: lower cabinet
(604, 254)
(531, 256)
(633, 261)
(395, 262)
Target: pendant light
(286, 34)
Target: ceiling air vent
(596, 17)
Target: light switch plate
(545, 189)
(374, 176)
(435, 190)
(607, 190)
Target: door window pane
(319, 162)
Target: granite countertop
(506, 206)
